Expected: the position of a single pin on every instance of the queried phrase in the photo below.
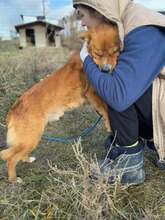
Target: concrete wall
(39, 33)
(22, 38)
(40, 37)
(58, 41)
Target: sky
(10, 11)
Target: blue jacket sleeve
(140, 62)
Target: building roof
(42, 22)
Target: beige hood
(125, 13)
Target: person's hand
(84, 51)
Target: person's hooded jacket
(128, 16)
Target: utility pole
(43, 7)
(22, 18)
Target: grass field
(56, 185)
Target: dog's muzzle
(107, 68)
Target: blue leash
(72, 139)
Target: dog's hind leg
(11, 168)
(12, 162)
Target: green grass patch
(56, 185)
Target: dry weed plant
(93, 199)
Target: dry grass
(57, 186)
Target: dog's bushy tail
(7, 153)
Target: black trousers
(134, 122)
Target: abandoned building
(39, 33)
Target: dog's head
(103, 45)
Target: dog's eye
(113, 50)
(98, 54)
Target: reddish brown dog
(62, 91)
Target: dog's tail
(12, 149)
(7, 153)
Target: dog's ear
(85, 36)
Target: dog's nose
(106, 68)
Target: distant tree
(72, 27)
